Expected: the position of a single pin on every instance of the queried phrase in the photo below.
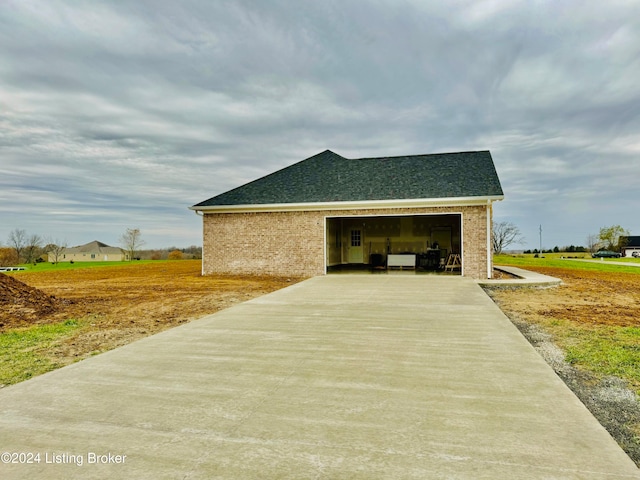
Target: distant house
(93, 252)
(329, 211)
(629, 245)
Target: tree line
(22, 247)
(505, 234)
(556, 249)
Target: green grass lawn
(607, 351)
(46, 266)
(26, 352)
(557, 260)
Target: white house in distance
(329, 212)
(92, 252)
(630, 246)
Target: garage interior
(420, 243)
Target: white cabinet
(405, 260)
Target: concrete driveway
(338, 377)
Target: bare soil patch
(501, 275)
(120, 304)
(20, 303)
(586, 297)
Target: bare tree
(505, 234)
(593, 242)
(32, 248)
(54, 249)
(131, 241)
(18, 241)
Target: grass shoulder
(28, 352)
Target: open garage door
(387, 242)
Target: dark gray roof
(328, 177)
(633, 241)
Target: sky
(122, 114)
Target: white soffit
(358, 205)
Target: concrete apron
(358, 377)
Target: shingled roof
(93, 247)
(633, 241)
(328, 177)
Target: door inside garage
(382, 243)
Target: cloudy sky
(118, 114)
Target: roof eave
(353, 205)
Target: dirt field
(120, 304)
(586, 297)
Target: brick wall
(474, 241)
(292, 243)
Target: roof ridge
(93, 242)
(466, 152)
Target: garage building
(328, 212)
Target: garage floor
(367, 269)
(337, 377)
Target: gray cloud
(123, 114)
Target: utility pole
(540, 239)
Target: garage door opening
(419, 243)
